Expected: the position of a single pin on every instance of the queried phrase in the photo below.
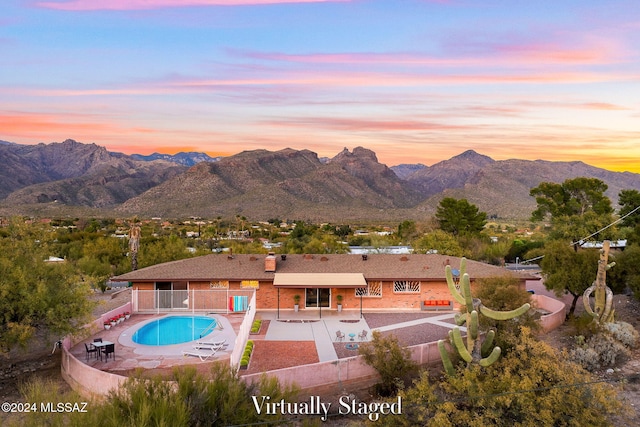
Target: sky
(416, 81)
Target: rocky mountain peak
(471, 157)
(360, 153)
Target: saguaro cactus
(483, 353)
(134, 245)
(603, 306)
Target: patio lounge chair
(362, 335)
(201, 355)
(209, 346)
(221, 343)
(339, 336)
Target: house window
(219, 284)
(253, 284)
(373, 289)
(406, 286)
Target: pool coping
(175, 350)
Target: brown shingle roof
(251, 267)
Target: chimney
(283, 257)
(364, 257)
(270, 263)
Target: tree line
(39, 294)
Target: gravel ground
(377, 320)
(411, 335)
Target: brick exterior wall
(267, 296)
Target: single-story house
(368, 281)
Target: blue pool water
(174, 330)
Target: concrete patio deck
(129, 355)
(287, 325)
(309, 326)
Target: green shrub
(623, 332)
(504, 294)
(220, 398)
(606, 347)
(392, 361)
(586, 357)
(532, 385)
(255, 326)
(584, 325)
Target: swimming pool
(174, 330)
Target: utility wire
(581, 241)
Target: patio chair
(362, 335)
(202, 356)
(90, 350)
(109, 349)
(339, 336)
(98, 348)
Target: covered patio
(318, 281)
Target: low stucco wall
(90, 381)
(83, 378)
(555, 308)
(343, 371)
(351, 370)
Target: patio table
(352, 336)
(99, 345)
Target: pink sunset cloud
(602, 106)
(345, 124)
(511, 55)
(38, 125)
(538, 48)
(83, 5)
(354, 58)
(388, 79)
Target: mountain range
(71, 178)
(189, 158)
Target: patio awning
(319, 280)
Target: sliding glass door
(317, 297)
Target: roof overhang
(319, 280)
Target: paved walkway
(309, 327)
(291, 326)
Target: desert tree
(440, 241)
(36, 295)
(164, 249)
(459, 217)
(629, 201)
(577, 208)
(626, 274)
(568, 271)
